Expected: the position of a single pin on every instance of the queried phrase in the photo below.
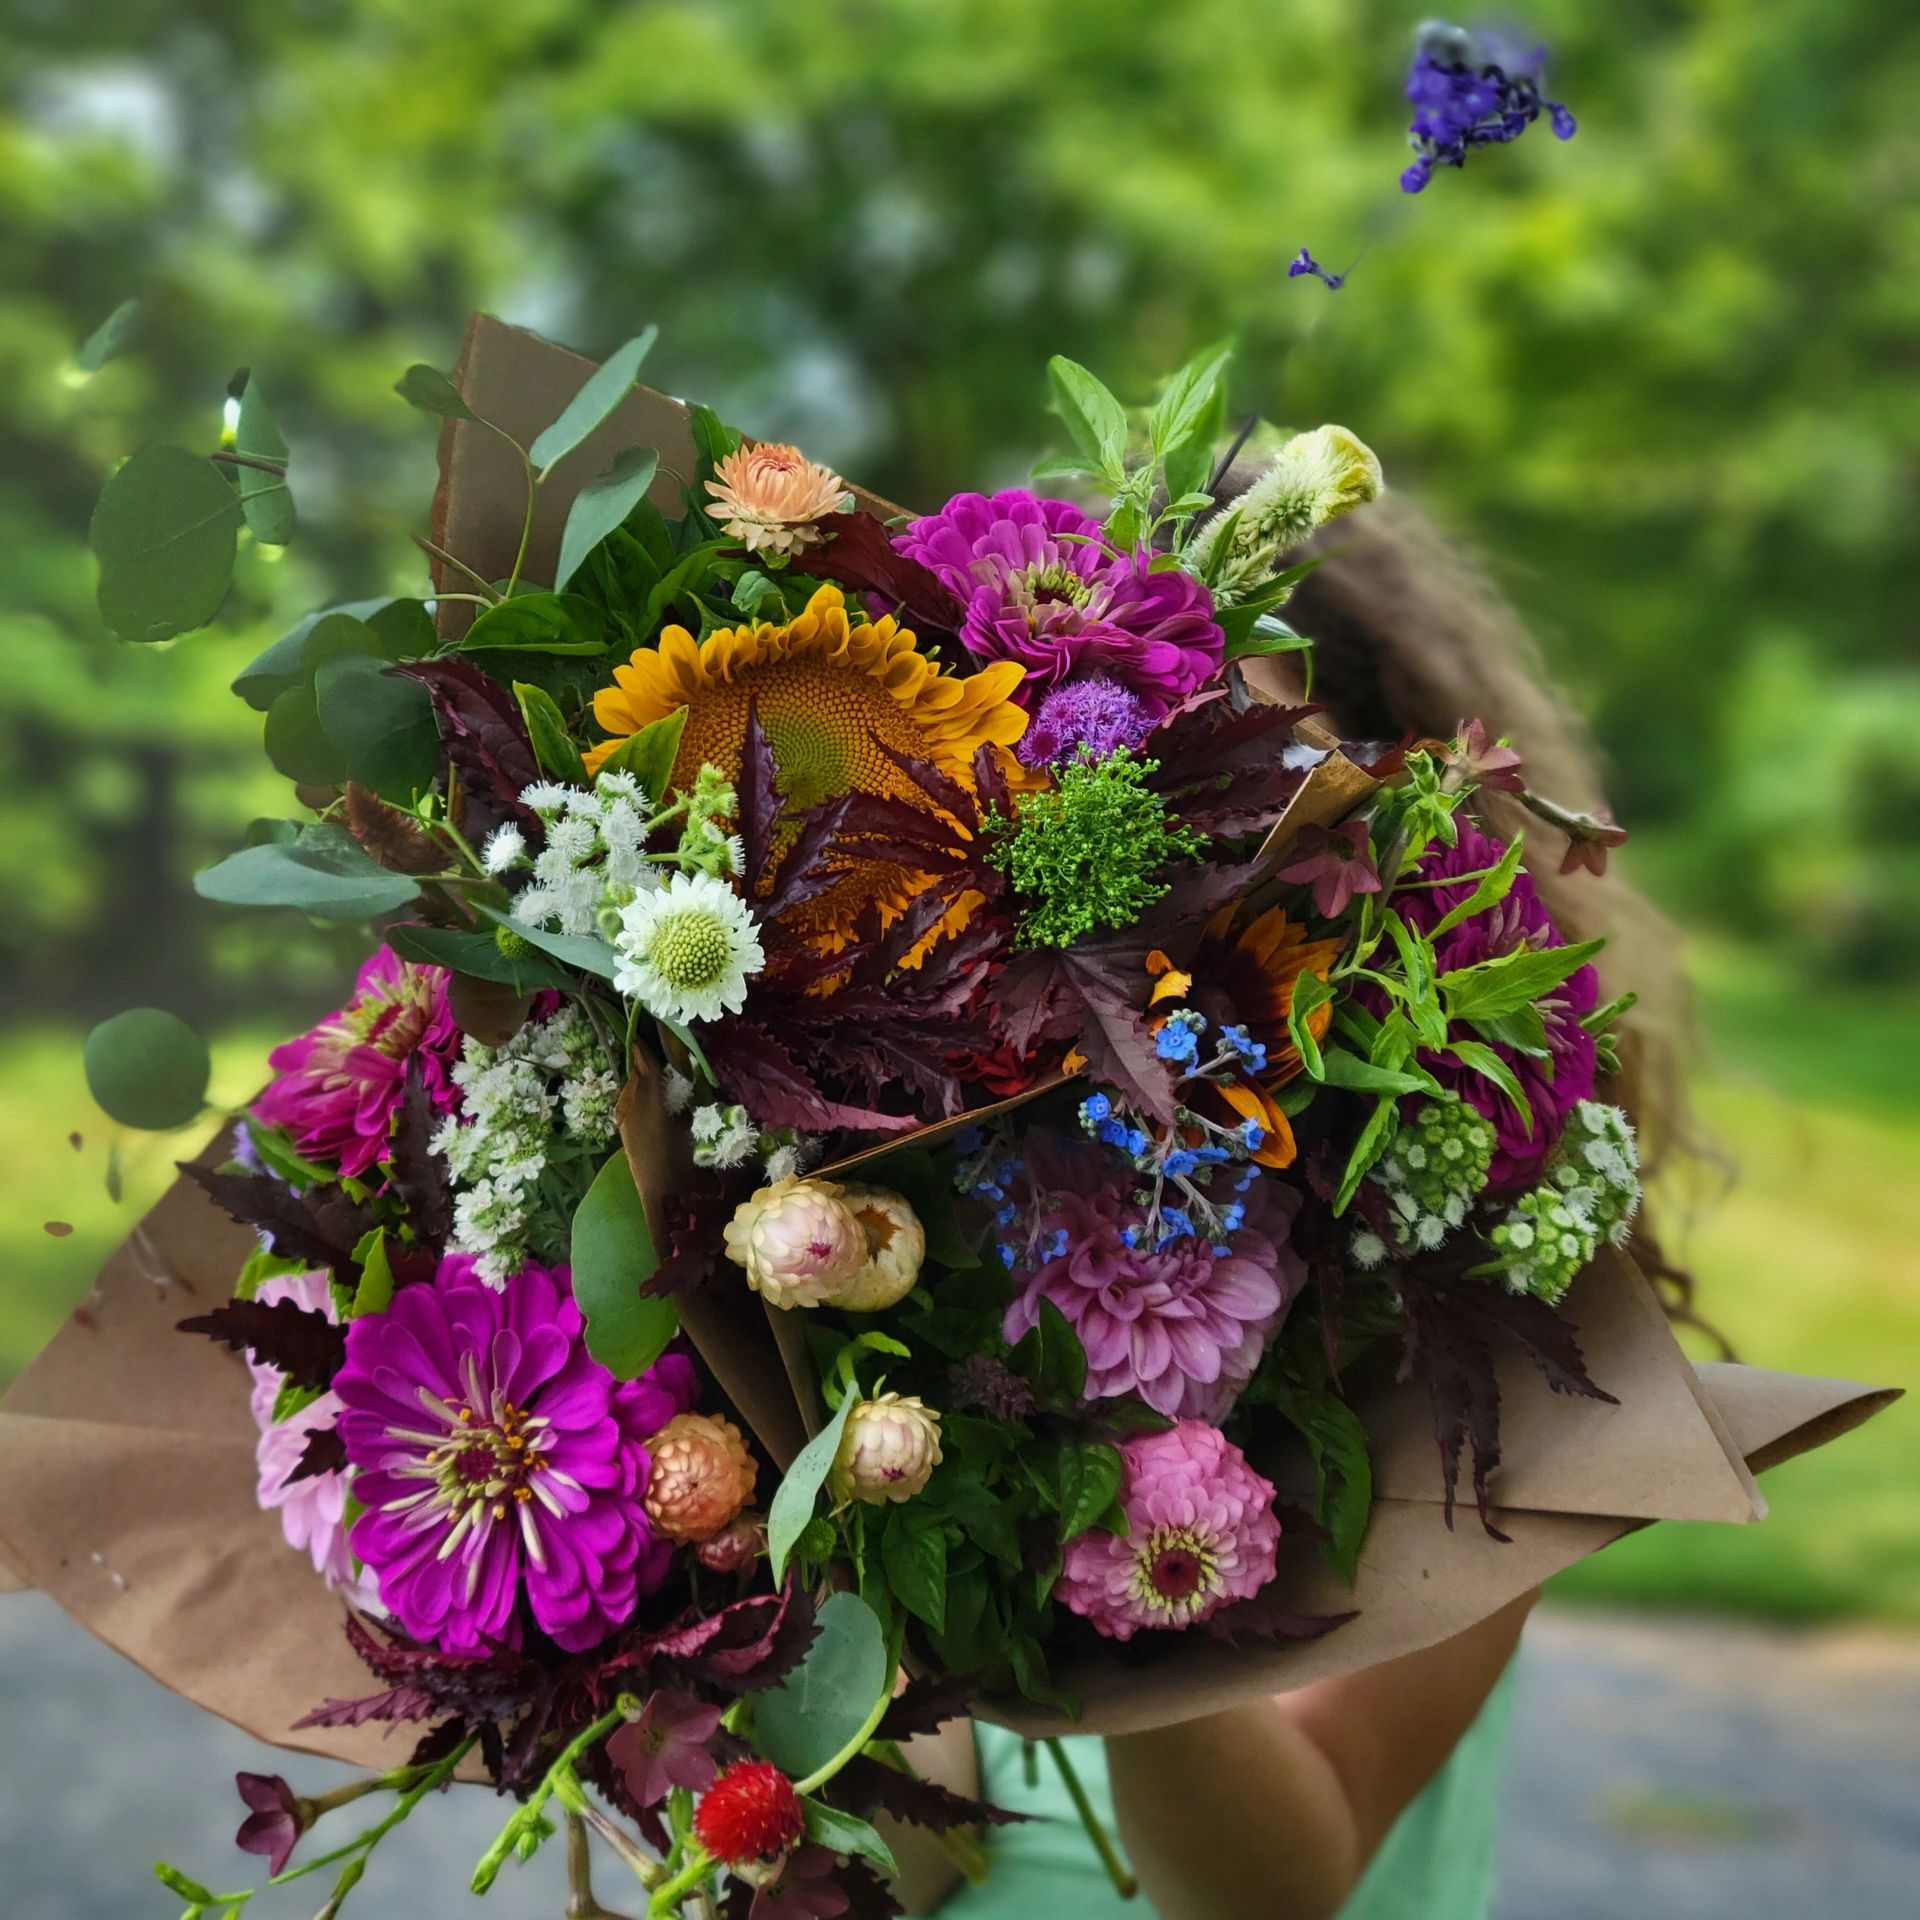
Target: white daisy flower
(688, 949)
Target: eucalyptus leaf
(799, 1491)
(381, 724)
(108, 338)
(296, 742)
(601, 391)
(286, 663)
(478, 956)
(324, 872)
(807, 1721)
(602, 505)
(164, 533)
(432, 392)
(265, 500)
(147, 1068)
(613, 1258)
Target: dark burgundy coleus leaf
(303, 1345)
(746, 1647)
(926, 1703)
(861, 554)
(325, 1452)
(395, 1704)
(759, 802)
(321, 1224)
(759, 1072)
(1263, 1618)
(1089, 999)
(415, 1172)
(485, 741)
(866, 1785)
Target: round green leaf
(264, 497)
(147, 1068)
(432, 392)
(324, 872)
(297, 743)
(108, 338)
(164, 535)
(381, 724)
(613, 1258)
(809, 1718)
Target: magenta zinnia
(340, 1085)
(1200, 1532)
(498, 1461)
(1042, 588)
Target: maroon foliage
(485, 740)
(861, 555)
(303, 1345)
(320, 1224)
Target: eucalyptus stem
(227, 457)
(1124, 1884)
(526, 524)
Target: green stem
(227, 457)
(819, 1777)
(460, 567)
(668, 1895)
(524, 1817)
(526, 524)
(1124, 1884)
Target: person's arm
(1272, 1811)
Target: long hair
(1410, 635)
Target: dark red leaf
(866, 1785)
(861, 555)
(320, 1224)
(925, 1703)
(759, 796)
(764, 1077)
(303, 1345)
(1089, 999)
(395, 1703)
(415, 1172)
(484, 738)
(1263, 1618)
(325, 1452)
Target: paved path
(1660, 1770)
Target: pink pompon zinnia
(772, 499)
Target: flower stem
(558, 1775)
(1124, 1884)
(667, 1896)
(819, 1777)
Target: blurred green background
(1664, 375)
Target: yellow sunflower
(828, 695)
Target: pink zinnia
(340, 1085)
(1184, 1327)
(312, 1510)
(1200, 1533)
(1042, 587)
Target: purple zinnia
(1041, 587)
(1469, 91)
(1183, 1326)
(1200, 1533)
(1553, 1086)
(340, 1085)
(1095, 716)
(497, 1458)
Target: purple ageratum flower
(1200, 1533)
(499, 1461)
(1041, 588)
(1095, 716)
(1470, 91)
(1553, 1086)
(340, 1085)
(665, 1748)
(312, 1509)
(1183, 1326)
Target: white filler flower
(687, 950)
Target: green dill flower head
(1088, 853)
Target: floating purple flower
(341, 1084)
(1041, 588)
(665, 1748)
(1304, 263)
(1469, 91)
(275, 1819)
(1336, 862)
(1183, 1326)
(1553, 1086)
(1095, 716)
(498, 1459)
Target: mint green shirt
(1436, 1864)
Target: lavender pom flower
(499, 1462)
(1471, 91)
(1095, 716)
(1042, 588)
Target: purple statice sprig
(1471, 90)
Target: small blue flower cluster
(1468, 92)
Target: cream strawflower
(896, 1245)
(700, 1477)
(687, 949)
(799, 1243)
(770, 497)
(890, 1445)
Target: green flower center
(690, 949)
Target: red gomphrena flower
(750, 1813)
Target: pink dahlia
(1200, 1533)
(1554, 1086)
(312, 1509)
(1183, 1327)
(499, 1461)
(1041, 587)
(340, 1085)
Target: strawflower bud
(735, 1547)
(799, 1243)
(700, 1478)
(896, 1245)
(889, 1447)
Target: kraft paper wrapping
(127, 1449)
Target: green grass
(1808, 1262)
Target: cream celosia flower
(888, 1449)
(799, 1243)
(1314, 478)
(896, 1245)
(687, 949)
(771, 497)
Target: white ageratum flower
(687, 949)
(896, 1245)
(506, 848)
(888, 1449)
(798, 1241)
(723, 1136)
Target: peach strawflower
(772, 498)
(702, 1476)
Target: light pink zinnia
(1183, 1328)
(340, 1085)
(313, 1510)
(1200, 1533)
